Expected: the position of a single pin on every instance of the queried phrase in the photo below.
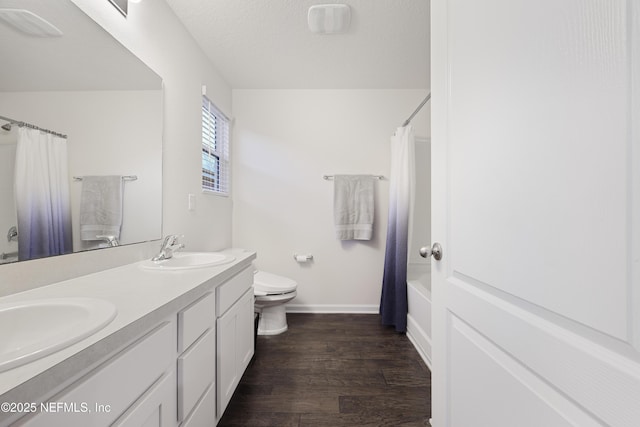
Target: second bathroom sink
(33, 329)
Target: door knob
(435, 250)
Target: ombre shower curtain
(393, 303)
(42, 195)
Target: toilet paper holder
(303, 257)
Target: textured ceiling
(265, 44)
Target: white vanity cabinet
(235, 329)
(178, 369)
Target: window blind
(215, 149)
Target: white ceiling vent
(329, 18)
(29, 23)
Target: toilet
(272, 292)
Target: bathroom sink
(33, 329)
(189, 260)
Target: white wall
(155, 35)
(284, 141)
(420, 228)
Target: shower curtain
(393, 303)
(42, 195)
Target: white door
(536, 202)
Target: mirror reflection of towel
(100, 206)
(353, 206)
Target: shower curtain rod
(29, 125)
(424, 101)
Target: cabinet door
(235, 347)
(245, 336)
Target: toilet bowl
(272, 292)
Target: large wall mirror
(87, 86)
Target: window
(215, 149)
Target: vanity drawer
(229, 292)
(196, 372)
(204, 415)
(102, 396)
(195, 319)
(157, 407)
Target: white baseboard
(420, 340)
(332, 308)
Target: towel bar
(124, 178)
(329, 177)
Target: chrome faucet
(169, 246)
(12, 234)
(110, 239)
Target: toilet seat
(271, 284)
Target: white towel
(100, 206)
(353, 206)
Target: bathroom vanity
(172, 356)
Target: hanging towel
(100, 206)
(353, 206)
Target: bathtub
(419, 315)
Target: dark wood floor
(333, 370)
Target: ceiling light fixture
(29, 23)
(329, 18)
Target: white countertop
(144, 298)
